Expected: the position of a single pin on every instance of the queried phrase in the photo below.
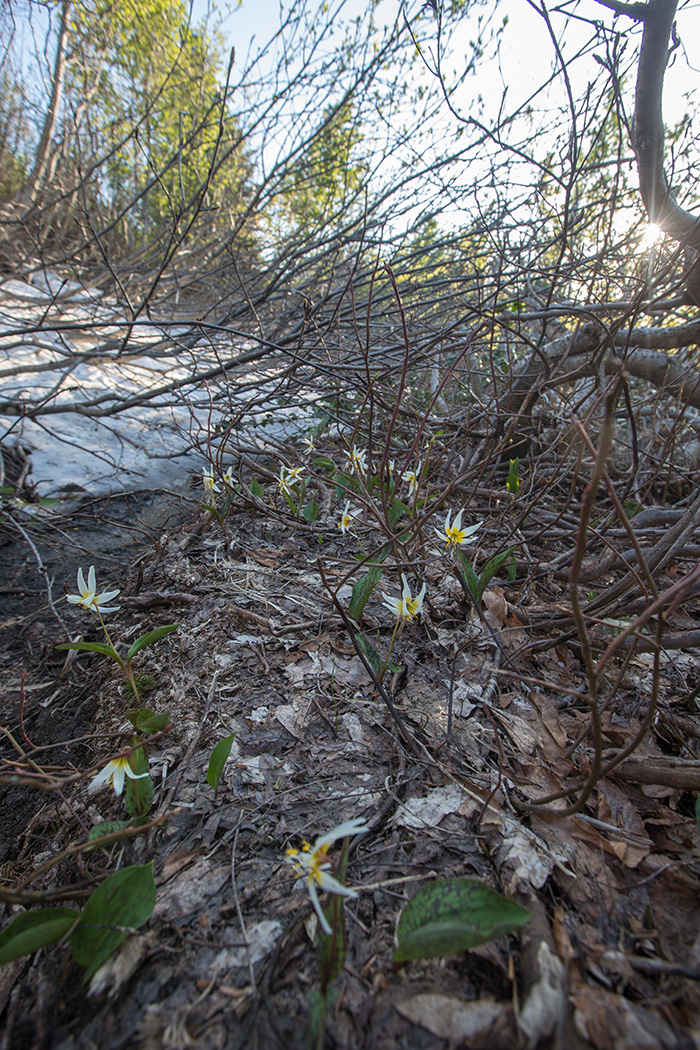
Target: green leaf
(35, 929)
(472, 580)
(256, 488)
(332, 947)
(217, 761)
(153, 723)
(139, 794)
(454, 915)
(369, 651)
(310, 512)
(92, 647)
(513, 479)
(397, 509)
(362, 591)
(106, 827)
(490, 570)
(125, 899)
(150, 638)
(319, 1005)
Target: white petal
(118, 779)
(92, 583)
(327, 882)
(356, 826)
(101, 778)
(325, 926)
(82, 588)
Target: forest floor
(489, 709)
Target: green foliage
(217, 761)
(103, 829)
(327, 177)
(150, 82)
(35, 929)
(120, 905)
(149, 639)
(454, 915)
(139, 793)
(361, 592)
(513, 479)
(476, 585)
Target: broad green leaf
(362, 591)
(35, 929)
(310, 512)
(217, 761)
(332, 947)
(472, 580)
(322, 461)
(319, 1005)
(139, 794)
(150, 638)
(256, 488)
(92, 647)
(490, 570)
(369, 651)
(107, 827)
(122, 903)
(153, 723)
(454, 915)
(397, 509)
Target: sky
(526, 50)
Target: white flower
(288, 477)
(405, 607)
(357, 461)
(88, 597)
(114, 773)
(228, 478)
(346, 522)
(310, 444)
(454, 535)
(413, 478)
(309, 862)
(209, 480)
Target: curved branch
(659, 201)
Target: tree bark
(29, 192)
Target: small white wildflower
(357, 461)
(453, 534)
(413, 478)
(405, 607)
(309, 863)
(88, 597)
(347, 518)
(114, 773)
(209, 480)
(228, 478)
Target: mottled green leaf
(490, 570)
(150, 638)
(122, 903)
(454, 915)
(107, 827)
(310, 512)
(139, 793)
(217, 761)
(33, 930)
(91, 647)
(256, 488)
(362, 591)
